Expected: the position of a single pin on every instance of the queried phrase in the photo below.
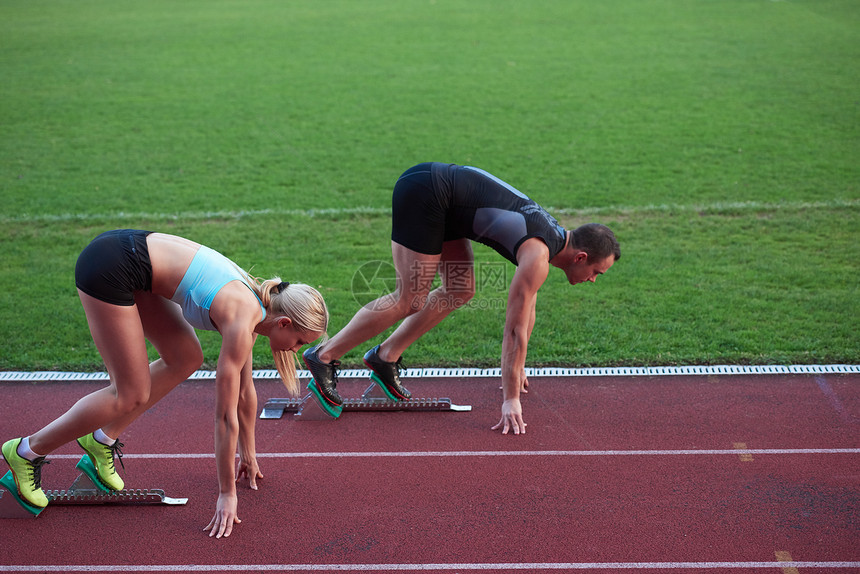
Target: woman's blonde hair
(305, 307)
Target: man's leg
(415, 272)
(458, 287)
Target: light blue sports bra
(208, 273)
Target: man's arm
(532, 270)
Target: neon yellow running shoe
(28, 475)
(102, 458)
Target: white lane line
(479, 567)
(489, 453)
(715, 208)
(433, 372)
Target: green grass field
(720, 139)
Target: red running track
(673, 474)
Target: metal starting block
(372, 400)
(86, 489)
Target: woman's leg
(178, 348)
(118, 335)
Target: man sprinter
(437, 210)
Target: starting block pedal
(315, 401)
(374, 399)
(11, 503)
(86, 489)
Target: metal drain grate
(435, 373)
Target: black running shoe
(324, 375)
(387, 375)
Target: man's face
(583, 269)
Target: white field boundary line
(715, 208)
(499, 453)
(263, 374)
(460, 567)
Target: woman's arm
(235, 348)
(247, 425)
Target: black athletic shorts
(115, 265)
(417, 215)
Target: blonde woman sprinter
(139, 285)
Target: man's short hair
(596, 240)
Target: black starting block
(374, 399)
(86, 489)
